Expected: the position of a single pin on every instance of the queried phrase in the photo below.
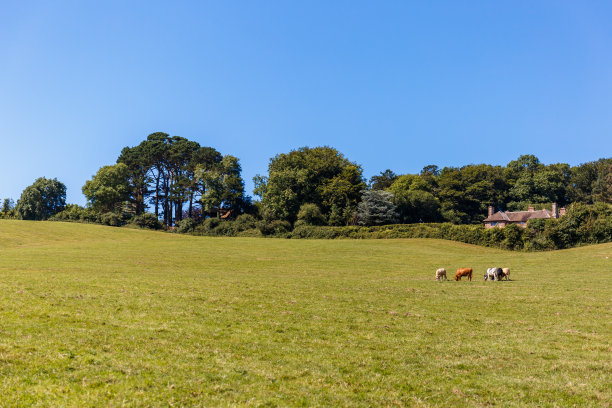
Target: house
(502, 218)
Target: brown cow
(506, 273)
(463, 272)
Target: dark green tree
(44, 198)
(591, 182)
(383, 180)
(223, 187)
(414, 200)
(319, 175)
(545, 185)
(465, 193)
(163, 170)
(109, 188)
(310, 214)
(7, 205)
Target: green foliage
(7, 205)
(383, 181)
(147, 220)
(591, 182)
(244, 222)
(274, 227)
(172, 173)
(208, 225)
(512, 237)
(223, 186)
(186, 225)
(583, 224)
(41, 200)
(243, 225)
(414, 200)
(320, 175)
(336, 216)
(310, 214)
(7, 209)
(108, 189)
(112, 219)
(76, 213)
(546, 185)
(465, 193)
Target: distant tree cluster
(173, 173)
(170, 181)
(461, 195)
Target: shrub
(225, 228)
(207, 227)
(76, 213)
(147, 220)
(112, 219)
(186, 225)
(310, 214)
(273, 227)
(244, 222)
(312, 232)
(512, 237)
(250, 233)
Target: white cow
(493, 274)
(441, 273)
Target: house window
(493, 224)
(522, 222)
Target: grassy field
(101, 316)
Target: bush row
(76, 213)
(583, 224)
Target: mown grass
(101, 316)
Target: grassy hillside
(93, 315)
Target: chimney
(531, 209)
(555, 211)
(490, 210)
(561, 211)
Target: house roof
(518, 216)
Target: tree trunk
(157, 195)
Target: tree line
(172, 182)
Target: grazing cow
(463, 272)
(493, 274)
(505, 273)
(441, 273)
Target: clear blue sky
(391, 84)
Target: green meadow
(98, 316)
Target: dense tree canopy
(44, 198)
(413, 196)
(109, 188)
(383, 180)
(462, 194)
(320, 176)
(171, 173)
